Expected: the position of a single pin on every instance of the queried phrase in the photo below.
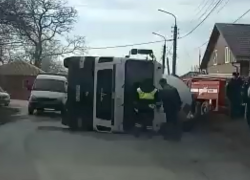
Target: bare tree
(195, 68)
(52, 65)
(13, 15)
(13, 12)
(73, 45)
(40, 22)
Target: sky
(120, 22)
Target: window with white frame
(214, 57)
(227, 55)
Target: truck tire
(204, 108)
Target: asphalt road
(39, 148)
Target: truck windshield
(49, 85)
(137, 71)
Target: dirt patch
(8, 114)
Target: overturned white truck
(100, 92)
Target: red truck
(209, 92)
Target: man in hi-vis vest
(146, 99)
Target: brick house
(228, 49)
(15, 76)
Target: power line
(210, 7)
(127, 45)
(199, 6)
(206, 10)
(226, 3)
(198, 25)
(202, 7)
(245, 13)
(169, 50)
(153, 42)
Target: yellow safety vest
(146, 96)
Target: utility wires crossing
(203, 20)
(239, 18)
(225, 4)
(207, 9)
(216, 5)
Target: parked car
(4, 97)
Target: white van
(48, 92)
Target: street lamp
(174, 40)
(164, 51)
(163, 37)
(169, 13)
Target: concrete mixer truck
(100, 89)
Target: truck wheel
(205, 108)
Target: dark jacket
(234, 89)
(244, 93)
(171, 99)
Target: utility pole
(174, 40)
(164, 58)
(163, 52)
(174, 49)
(199, 60)
(168, 66)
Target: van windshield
(49, 85)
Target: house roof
(20, 68)
(237, 37)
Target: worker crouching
(146, 99)
(172, 104)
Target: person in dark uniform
(234, 89)
(172, 104)
(136, 85)
(193, 105)
(247, 101)
(146, 98)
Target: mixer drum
(186, 98)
